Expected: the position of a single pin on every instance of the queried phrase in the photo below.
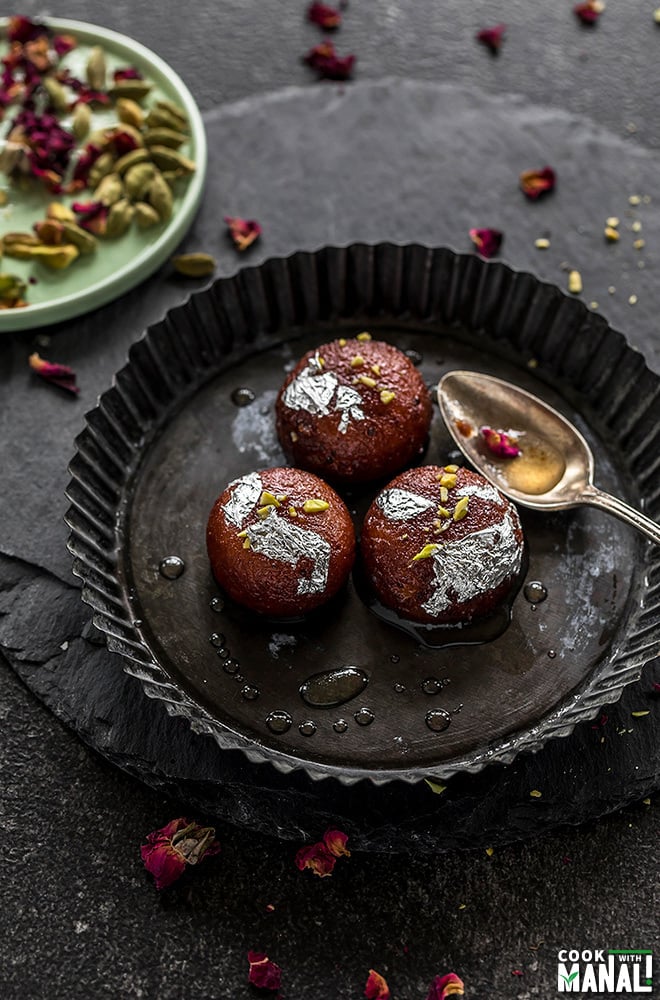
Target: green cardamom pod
(96, 68)
(129, 111)
(134, 90)
(171, 159)
(130, 159)
(173, 109)
(161, 136)
(80, 238)
(194, 265)
(145, 215)
(119, 218)
(56, 94)
(159, 194)
(137, 179)
(56, 257)
(160, 117)
(102, 167)
(81, 121)
(110, 190)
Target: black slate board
(378, 161)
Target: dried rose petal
(499, 443)
(264, 974)
(60, 375)
(242, 231)
(534, 183)
(177, 844)
(93, 216)
(336, 842)
(326, 17)
(603, 719)
(318, 858)
(328, 64)
(22, 29)
(127, 73)
(376, 988)
(516, 972)
(492, 37)
(589, 12)
(487, 241)
(446, 986)
(63, 44)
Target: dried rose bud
(328, 64)
(263, 974)
(322, 856)
(376, 987)
(534, 183)
(177, 844)
(60, 375)
(242, 231)
(487, 241)
(336, 842)
(589, 12)
(446, 986)
(500, 443)
(326, 17)
(492, 37)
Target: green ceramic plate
(119, 264)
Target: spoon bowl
(555, 467)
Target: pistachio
(342, 341)
(443, 512)
(263, 512)
(293, 512)
(128, 160)
(110, 190)
(542, 243)
(574, 282)
(611, 234)
(386, 396)
(461, 508)
(246, 543)
(49, 231)
(357, 361)
(159, 195)
(137, 180)
(12, 289)
(56, 94)
(19, 251)
(80, 238)
(119, 218)
(96, 68)
(194, 265)
(101, 168)
(447, 479)
(56, 257)
(315, 506)
(129, 112)
(133, 90)
(81, 121)
(426, 552)
(376, 370)
(367, 380)
(162, 136)
(171, 159)
(268, 498)
(23, 239)
(145, 215)
(451, 468)
(364, 336)
(444, 494)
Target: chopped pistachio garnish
(357, 361)
(242, 534)
(448, 479)
(386, 396)
(315, 506)
(444, 494)
(542, 243)
(632, 299)
(612, 221)
(363, 336)
(426, 552)
(268, 498)
(461, 508)
(634, 199)
(451, 468)
(636, 226)
(367, 380)
(574, 282)
(320, 361)
(535, 794)
(375, 369)
(443, 512)
(263, 512)
(342, 342)
(293, 512)
(246, 543)
(611, 234)
(639, 244)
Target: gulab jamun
(441, 546)
(280, 541)
(353, 411)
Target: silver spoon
(555, 467)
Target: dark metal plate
(168, 438)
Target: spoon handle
(597, 498)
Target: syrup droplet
(364, 717)
(414, 356)
(171, 567)
(394, 658)
(438, 720)
(231, 666)
(307, 728)
(432, 685)
(535, 592)
(217, 639)
(217, 604)
(334, 687)
(279, 722)
(340, 726)
(249, 692)
(243, 396)
(399, 687)
(552, 654)
(223, 652)
(239, 677)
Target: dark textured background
(80, 919)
